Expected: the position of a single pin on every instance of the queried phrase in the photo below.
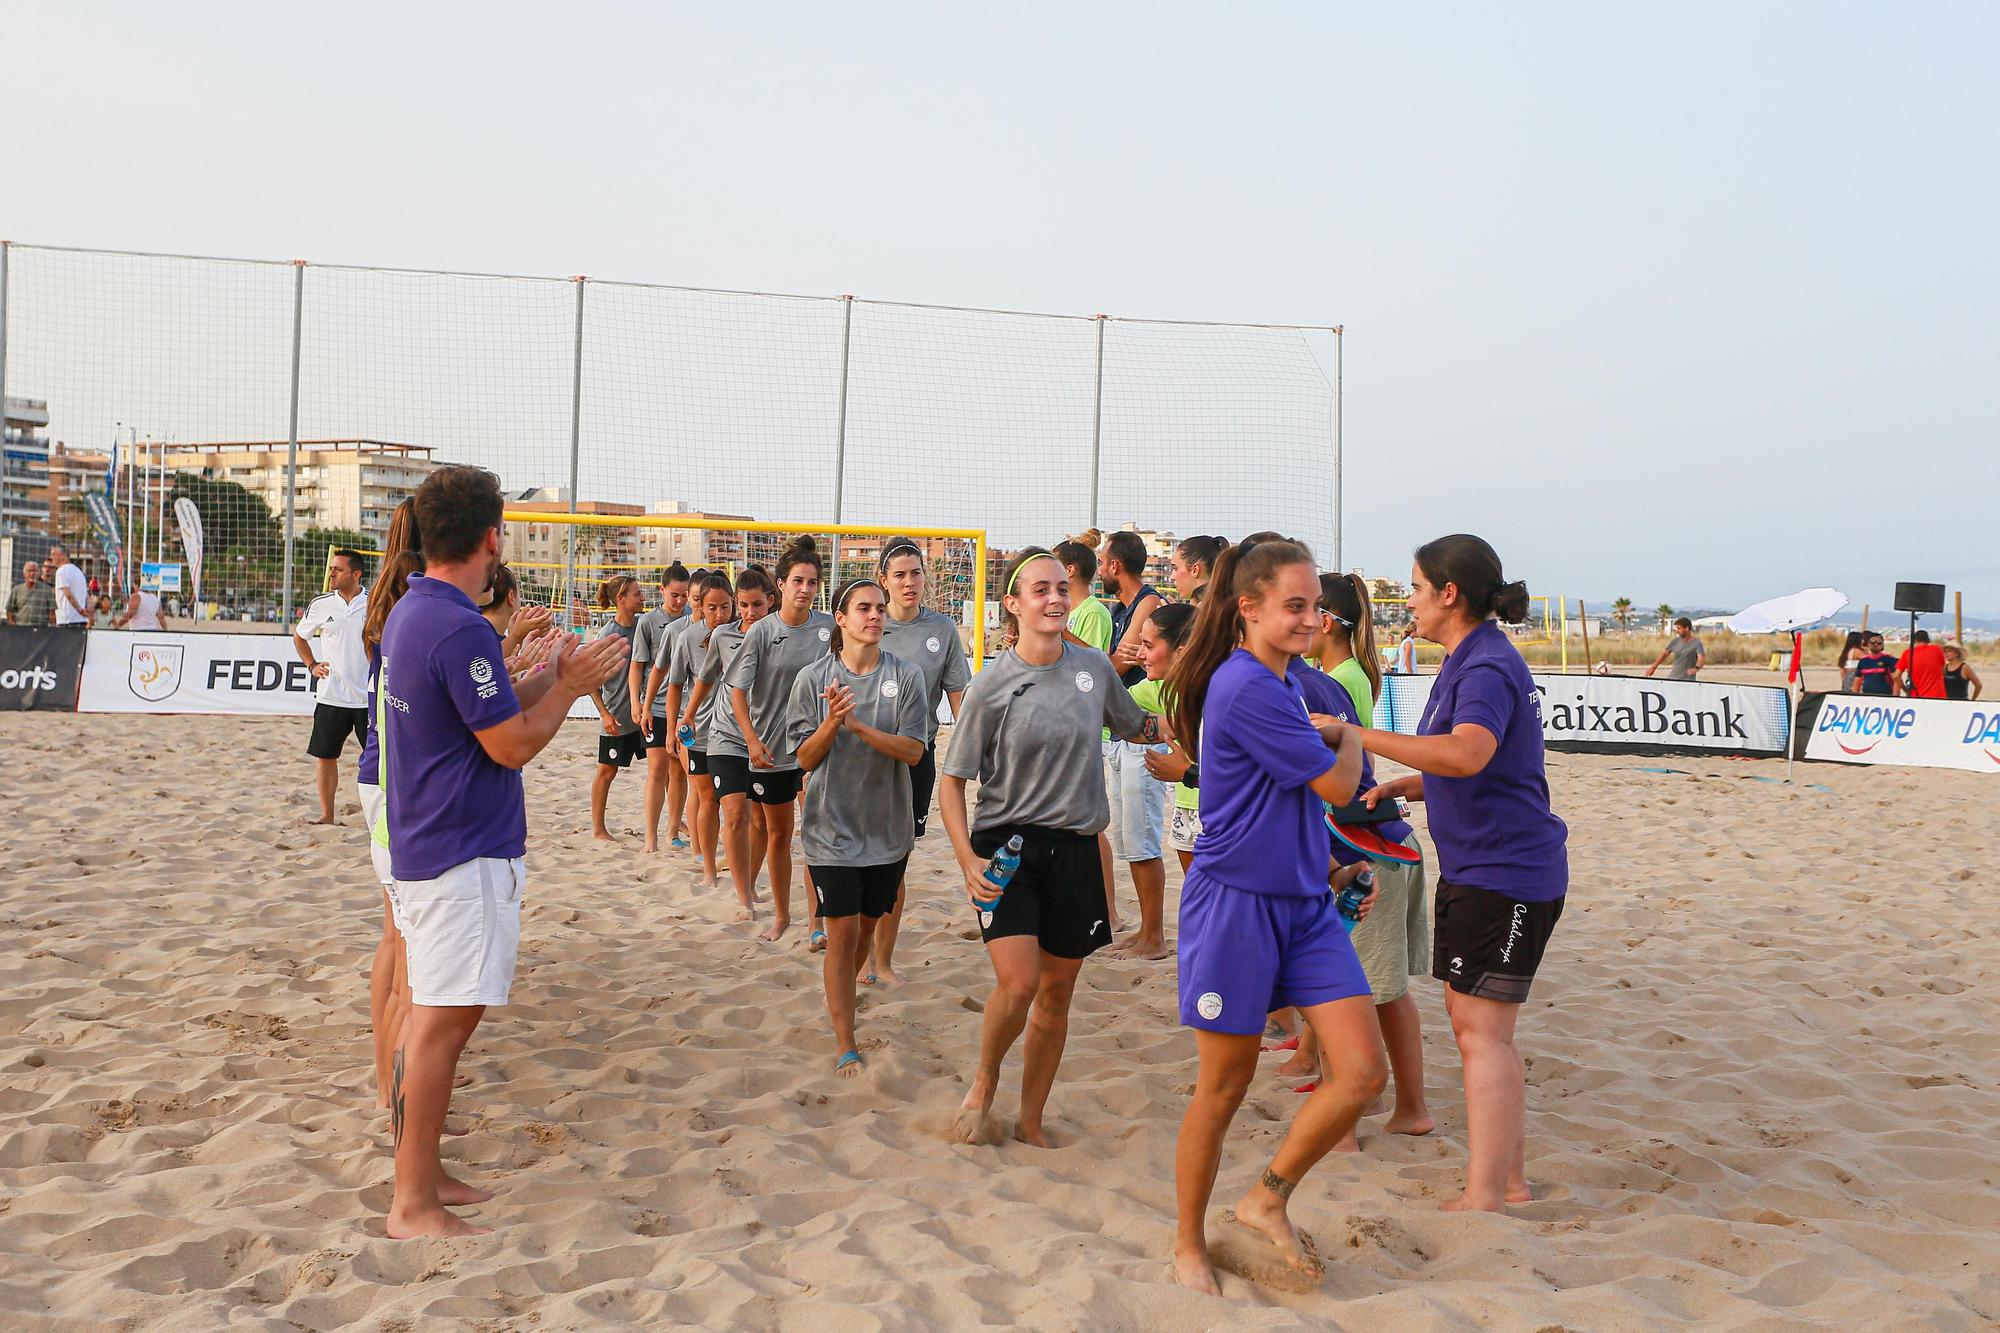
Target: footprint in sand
(1235, 1248)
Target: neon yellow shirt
(1090, 620)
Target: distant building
(42, 485)
(1159, 554)
(24, 480)
(352, 484)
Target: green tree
(1621, 611)
(309, 552)
(1665, 614)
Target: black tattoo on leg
(397, 1104)
(1278, 1185)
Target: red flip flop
(1288, 1044)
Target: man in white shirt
(72, 591)
(328, 639)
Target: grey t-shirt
(617, 692)
(647, 636)
(1031, 737)
(714, 714)
(773, 654)
(858, 799)
(1685, 653)
(931, 643)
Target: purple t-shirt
(1326, 695)
(371, 749)
(1262, 830)
(1494, 830)
(443, 678)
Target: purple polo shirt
(443, 678)
(371, 748)
(1261, 825)
(1326, 695)
(1494, 830)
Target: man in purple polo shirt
(455, 736)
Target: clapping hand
(839, 704)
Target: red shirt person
(1922, 668)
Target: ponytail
(609, 591)
(392, 580)
(1243, 570)
(1345, 598)
(1474, 566)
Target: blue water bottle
(686, 734)
(1000, 872)
(1348, 904)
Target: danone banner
(1629, 714)
(1925, 733)
(255, 674)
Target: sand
(1762, 1082)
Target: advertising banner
(1629, 714)
(40, 668)
(104, 518)
(1924, 733)
(189, 520)
(159, 577)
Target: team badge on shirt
(1209, 1006)
(931, 644)
(824, 634)
(889, 689)
(482, 676)
(1085, 682)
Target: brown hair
(803, 551)
(456, 507)
(402, 556)
(1008, 619)
(1474, 566)
(840, 600)
(504, 586)
(609, 591)
(1203, 551)
(1244, 570)
(1345, 598)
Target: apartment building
(352, 484)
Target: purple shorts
(1244, 955)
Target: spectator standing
(328, 640)
(1875, 673)
(72, 591)
(1960, 680)
(1921, 670)
(101, 614)
(142, 612)
(1851, 654)
(1406, 653)
(31, 602)
(1124, 565)
(1686, 651)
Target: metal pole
(840, 435)
(1097, 422)
(1338, 331)
(6, 249)
(575, 448)
(292, 437)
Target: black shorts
(1487, 944)
(331, 727)
(766, 786)
(697, 761)
(1057, 896)
(657, 731)
(620, 750)
(923, 781)
(868, 891)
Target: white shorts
(463, 930)
(371, 810)
(1183, 828)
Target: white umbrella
(1782, 615)
(1789, 615)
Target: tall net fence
(617, 399)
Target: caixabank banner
(1926, 733)
(40, 668)
(1629, 715)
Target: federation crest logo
(1085, 682)
(757, 787)
(890, 689)
(824, 634)
(931, 644)
(1209, 1006)
(155, 672)
(482, 671)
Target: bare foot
(651, 849)
(432, 1221)
(776, 932)
(743, 914)
(708, 881)
(884, 978)
(974, 1121)
(1348, 1144)
(1465, 1203)
(1032, 1135)
(602, 836)
(1299, 1066)
(1418, 1124)
(1520, 1191)
(324, 819)
(461, 1081)
(1192, 1269)
(457, 1194)
(1151, 951)
(1264, 1213)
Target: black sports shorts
(1486, 944)
(1057, 895)
(766, 786)
(868, 891)
(332, 725)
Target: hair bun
(804, 542)
(1510, 603)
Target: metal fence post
(1335, 565)
(840, 433)
(292, 436)
(575, 448)
(1097, 423)
(6, 248)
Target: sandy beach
(1762, 1081)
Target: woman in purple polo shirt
(1502, 854)
(1258, 928)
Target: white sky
(1693, 303)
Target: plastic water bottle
(1000, 872)
(686, 733)
(1348, 904)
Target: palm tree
(1666, 615)
(1621, 611)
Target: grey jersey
(931, 643)
(1030, 736)
(714, 715)
(617, 692)
(773, 655)
(647, 636)
(858, 800)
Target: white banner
(1628, 714)
(1925, 733)
(261, 675)
(189, 519)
